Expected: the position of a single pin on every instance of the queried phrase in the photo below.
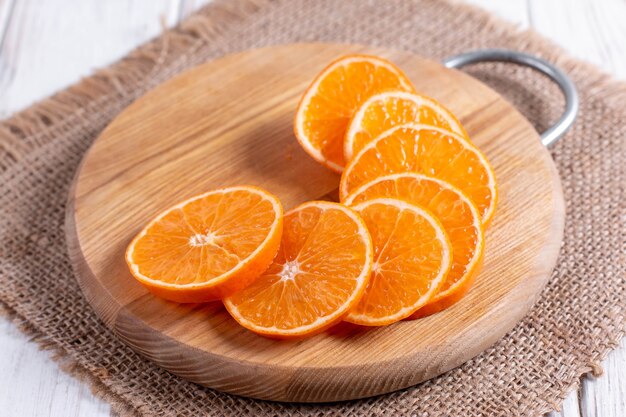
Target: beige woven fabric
(579, 318)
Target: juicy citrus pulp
(321, 270)
(425, 150)
(412, 256)
(330, 101)
(208, 246)
(383, 111)
(458, 216)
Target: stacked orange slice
(458, 216)
(392, 108)
(425, 150)
(405, 146)
(412, 257)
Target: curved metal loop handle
(566, 85)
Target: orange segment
(330, 101)
(320, 272)
(458, 216)
(412, 256)
(425, 150)
(391, 108)
(208, 246)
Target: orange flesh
(411, 258)
(458, 217)
(203, 242)
(427, 151)
(321, 269)
(393, 109)
(342, 87)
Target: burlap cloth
(578, 320)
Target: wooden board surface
(230, 122)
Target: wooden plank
(190, 6)
(100, 32)
(569, 408)
(515, 11)
(591, 30)
(33, 385)
(605, 396)
(594, 31)
(34, 34)
(6, 9)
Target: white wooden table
(36, 34)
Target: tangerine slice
(208, 246)
(383, 111)
(458, 216)
(332, 98)
(425, 150)
(412, 256)
(320, 272)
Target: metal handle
(566, 85)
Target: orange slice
(208, 246)
(458, 216)
(330, 101)
(425, 150)
(412, 256)
(320, 272)
(383, 111)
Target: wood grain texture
(232, 124)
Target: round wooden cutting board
(229, 122)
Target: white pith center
(200, 239)
(290, 270)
